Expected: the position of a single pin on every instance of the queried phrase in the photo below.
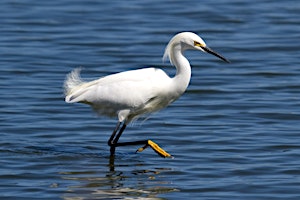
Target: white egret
(130, 94)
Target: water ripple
(233, 134)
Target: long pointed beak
(208, 50)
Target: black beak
(208, 50)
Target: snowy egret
(130, 94)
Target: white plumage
(131, 94)
(126, 94)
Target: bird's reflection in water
(124, 178)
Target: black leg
(113, 140)
(116, 134)
(120, 144)
(110, 141)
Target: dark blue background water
(234, 134)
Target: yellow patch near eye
(198, 44)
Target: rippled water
(234, 134)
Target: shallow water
(234, 134)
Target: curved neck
(183, 69)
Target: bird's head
(188, 40)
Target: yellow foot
(156, 148)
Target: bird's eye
(198, 44)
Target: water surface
(234, 134)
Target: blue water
(234, 134)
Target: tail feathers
(72, 81)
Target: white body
(133, 93)
(126, 94)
